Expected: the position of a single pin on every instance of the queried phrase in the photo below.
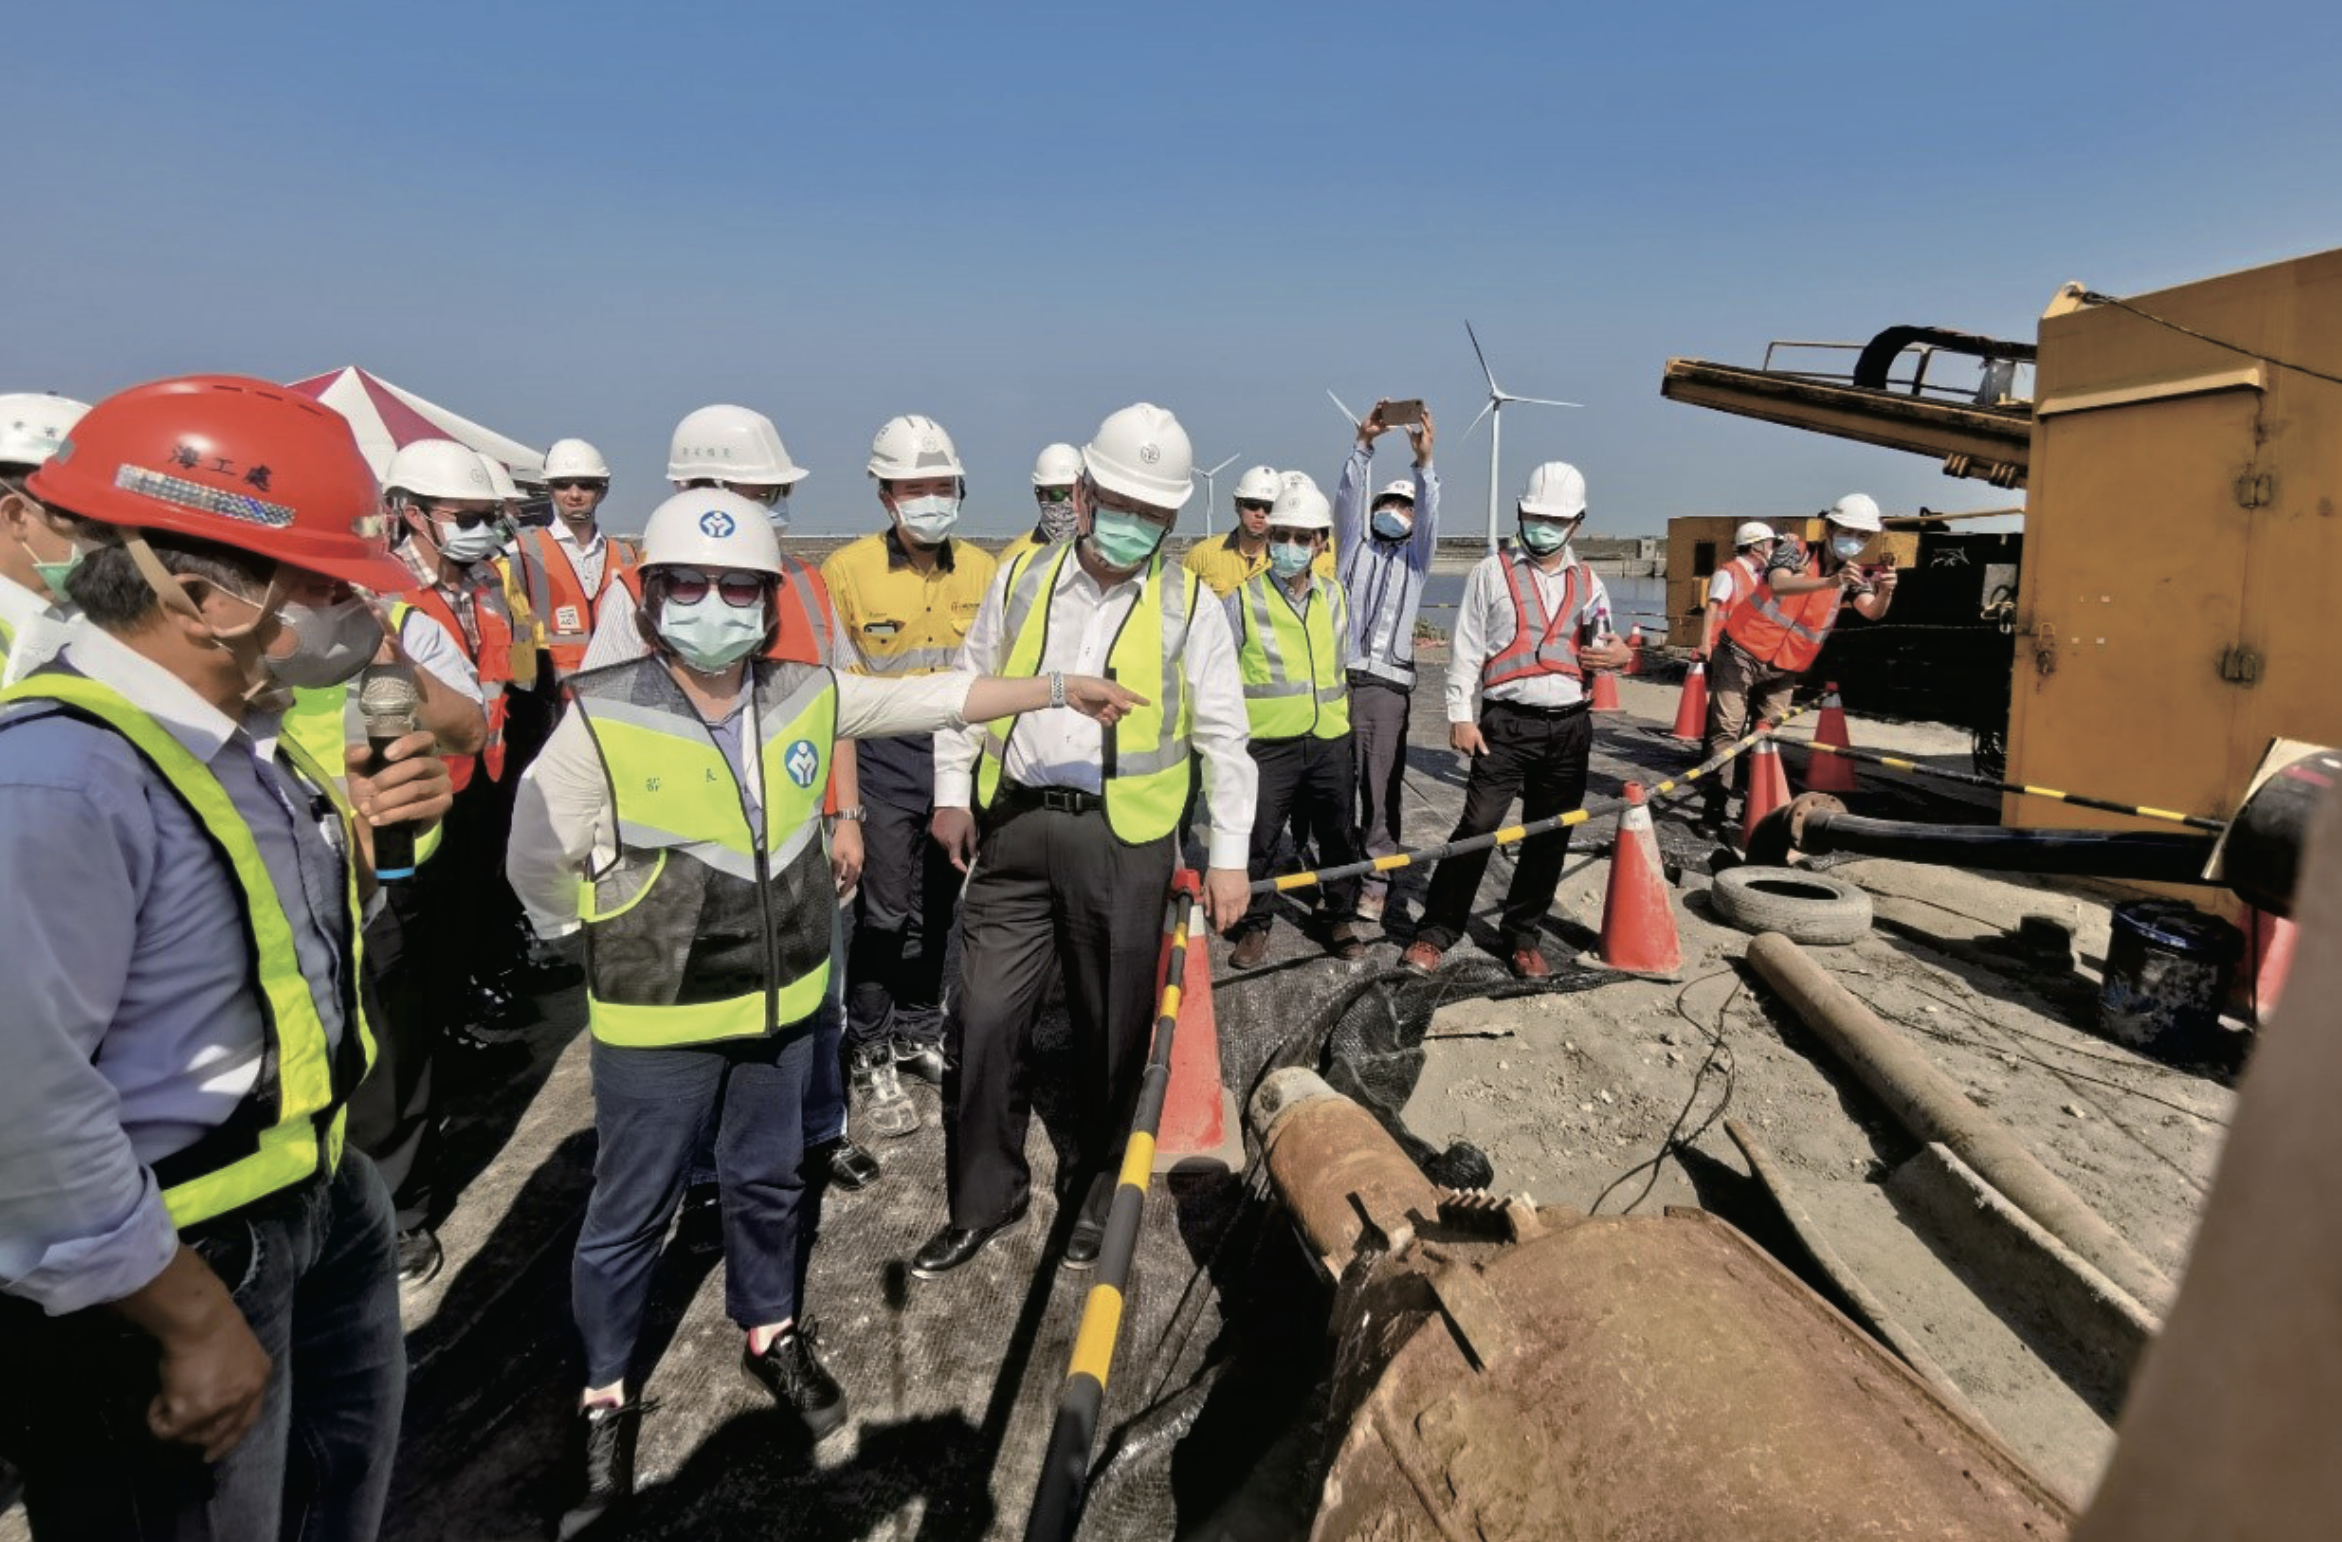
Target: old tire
(1802, 906)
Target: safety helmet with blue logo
(710, 528)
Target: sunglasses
(690, 585)
(766, 494)
(466, 521)
(574, 484)
(1252, 506)
(1054, 494)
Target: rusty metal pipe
(1927, 1103)
(1337, 1169)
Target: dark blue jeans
(313, 1271)
(651, 1107)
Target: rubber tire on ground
(1800, 905)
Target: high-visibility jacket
(1295, 664)
(1746, 575)
(318, 721)
(903, 621)
(1541, 644)
(1786, 632)
(1145, 754)
(1029, 541)
(803, 601)
(1220, 562)
(289, 1127)
(489, 644)
(706, 927)
(558, 597)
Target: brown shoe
(1529, 964)
(1345, 944)
(1250, 951)
(1421, 957)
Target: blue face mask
(1123, 540)
(1847, 547)
(1391, 525)
(1287, 560)
(708, 633)
(1543, 536)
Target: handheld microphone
(388, 699)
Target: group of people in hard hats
(305, 775)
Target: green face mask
(54, 574)
(1123, 540)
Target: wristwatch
(858, 814)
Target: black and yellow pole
(1970, 779)
(1065, 1471)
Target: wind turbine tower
(1211, 491)
(1494, 412)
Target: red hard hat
(233, 460)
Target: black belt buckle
(1066, 800)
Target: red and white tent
(386, 419)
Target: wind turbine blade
(1484, 412)
(1338, 407)
(1493, 389)
(1539, 401)
(1222, 466)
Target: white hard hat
(1752, 532)
(1856, 511)
(1296, 479)
(32, 424)
(730, 444)
(440, 468)
(1260, 485)
(1142, 453)
(500, 478)
(709, 527)
(910, 447)
(575, 458)
(1557, 490)
(1058, 465)
(1404, 487)
(1302, 507)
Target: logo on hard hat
(716, 524)
(931, 442)
(803, 762)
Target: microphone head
(388, 698)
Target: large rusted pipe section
(1927, 1103)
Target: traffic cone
(1199, 1125)
(1638, 917)
(1830, 773)
(1768, 785)
(1606, 691)
(1634, 644)
(1691, 708)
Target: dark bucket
(2167, 971)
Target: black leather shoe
(791, 1370)
(850, 1167)
(922, 1058)
(419, 1256)
(953, 1246)
(603, 1455)
(1088, 1237)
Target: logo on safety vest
(716, 524)
(803, 762)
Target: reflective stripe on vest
(1295, 667)
(289, 1127)
(1541, 644)
(557, 594)
(1785, 632)
(1145, 754)
(702, 929)
(491, 657)
(905, 622)
(1744, 584)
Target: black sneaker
(420, 1257)
(922, 1058)
(791, 1370)
(602, 1455)
(850, 1167)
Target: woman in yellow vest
(1292, 629)
(676, 813)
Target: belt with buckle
(1063, 800)
(1572, 710)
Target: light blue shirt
(132, 1025)
(1384, 579)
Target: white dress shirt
(586, 561)
(1486, 623)
(1061, 748)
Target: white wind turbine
(1341, 407)
(1494, 411)
(1211, 490)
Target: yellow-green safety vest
(700, 928)
(290, 1126)
(318, 721)
(1145, 754)
(1295, 666)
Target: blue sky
(584, 219)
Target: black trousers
(1541, 760)
(1048, 889)
(902, 925)
(1314, 782)
(394, 1115)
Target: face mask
(1122, 540)
(1059, 522)
(709, 634)
(330, 644)
(1543, 537)
(1391, 525)
(928, 519)
(1286, 560)
(778, 513)
(1846, 547)
(464, 547)
(55, 575)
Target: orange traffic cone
(1199, 1124)
(1768, 785)
(1634, 644)
(1691, 708)
(1606, 691)
(1638, 917)
(1830, 773)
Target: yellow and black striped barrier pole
(1286, 882)
(1065, 1471)
(1970, 779)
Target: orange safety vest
(1542, 644)
(806, 624)
(1784, 632)
(558, 596)
(491, 655)
(1744, 584)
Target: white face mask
(331, 643)
(477, 544)
(928, 519)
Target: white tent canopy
(386, 418)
